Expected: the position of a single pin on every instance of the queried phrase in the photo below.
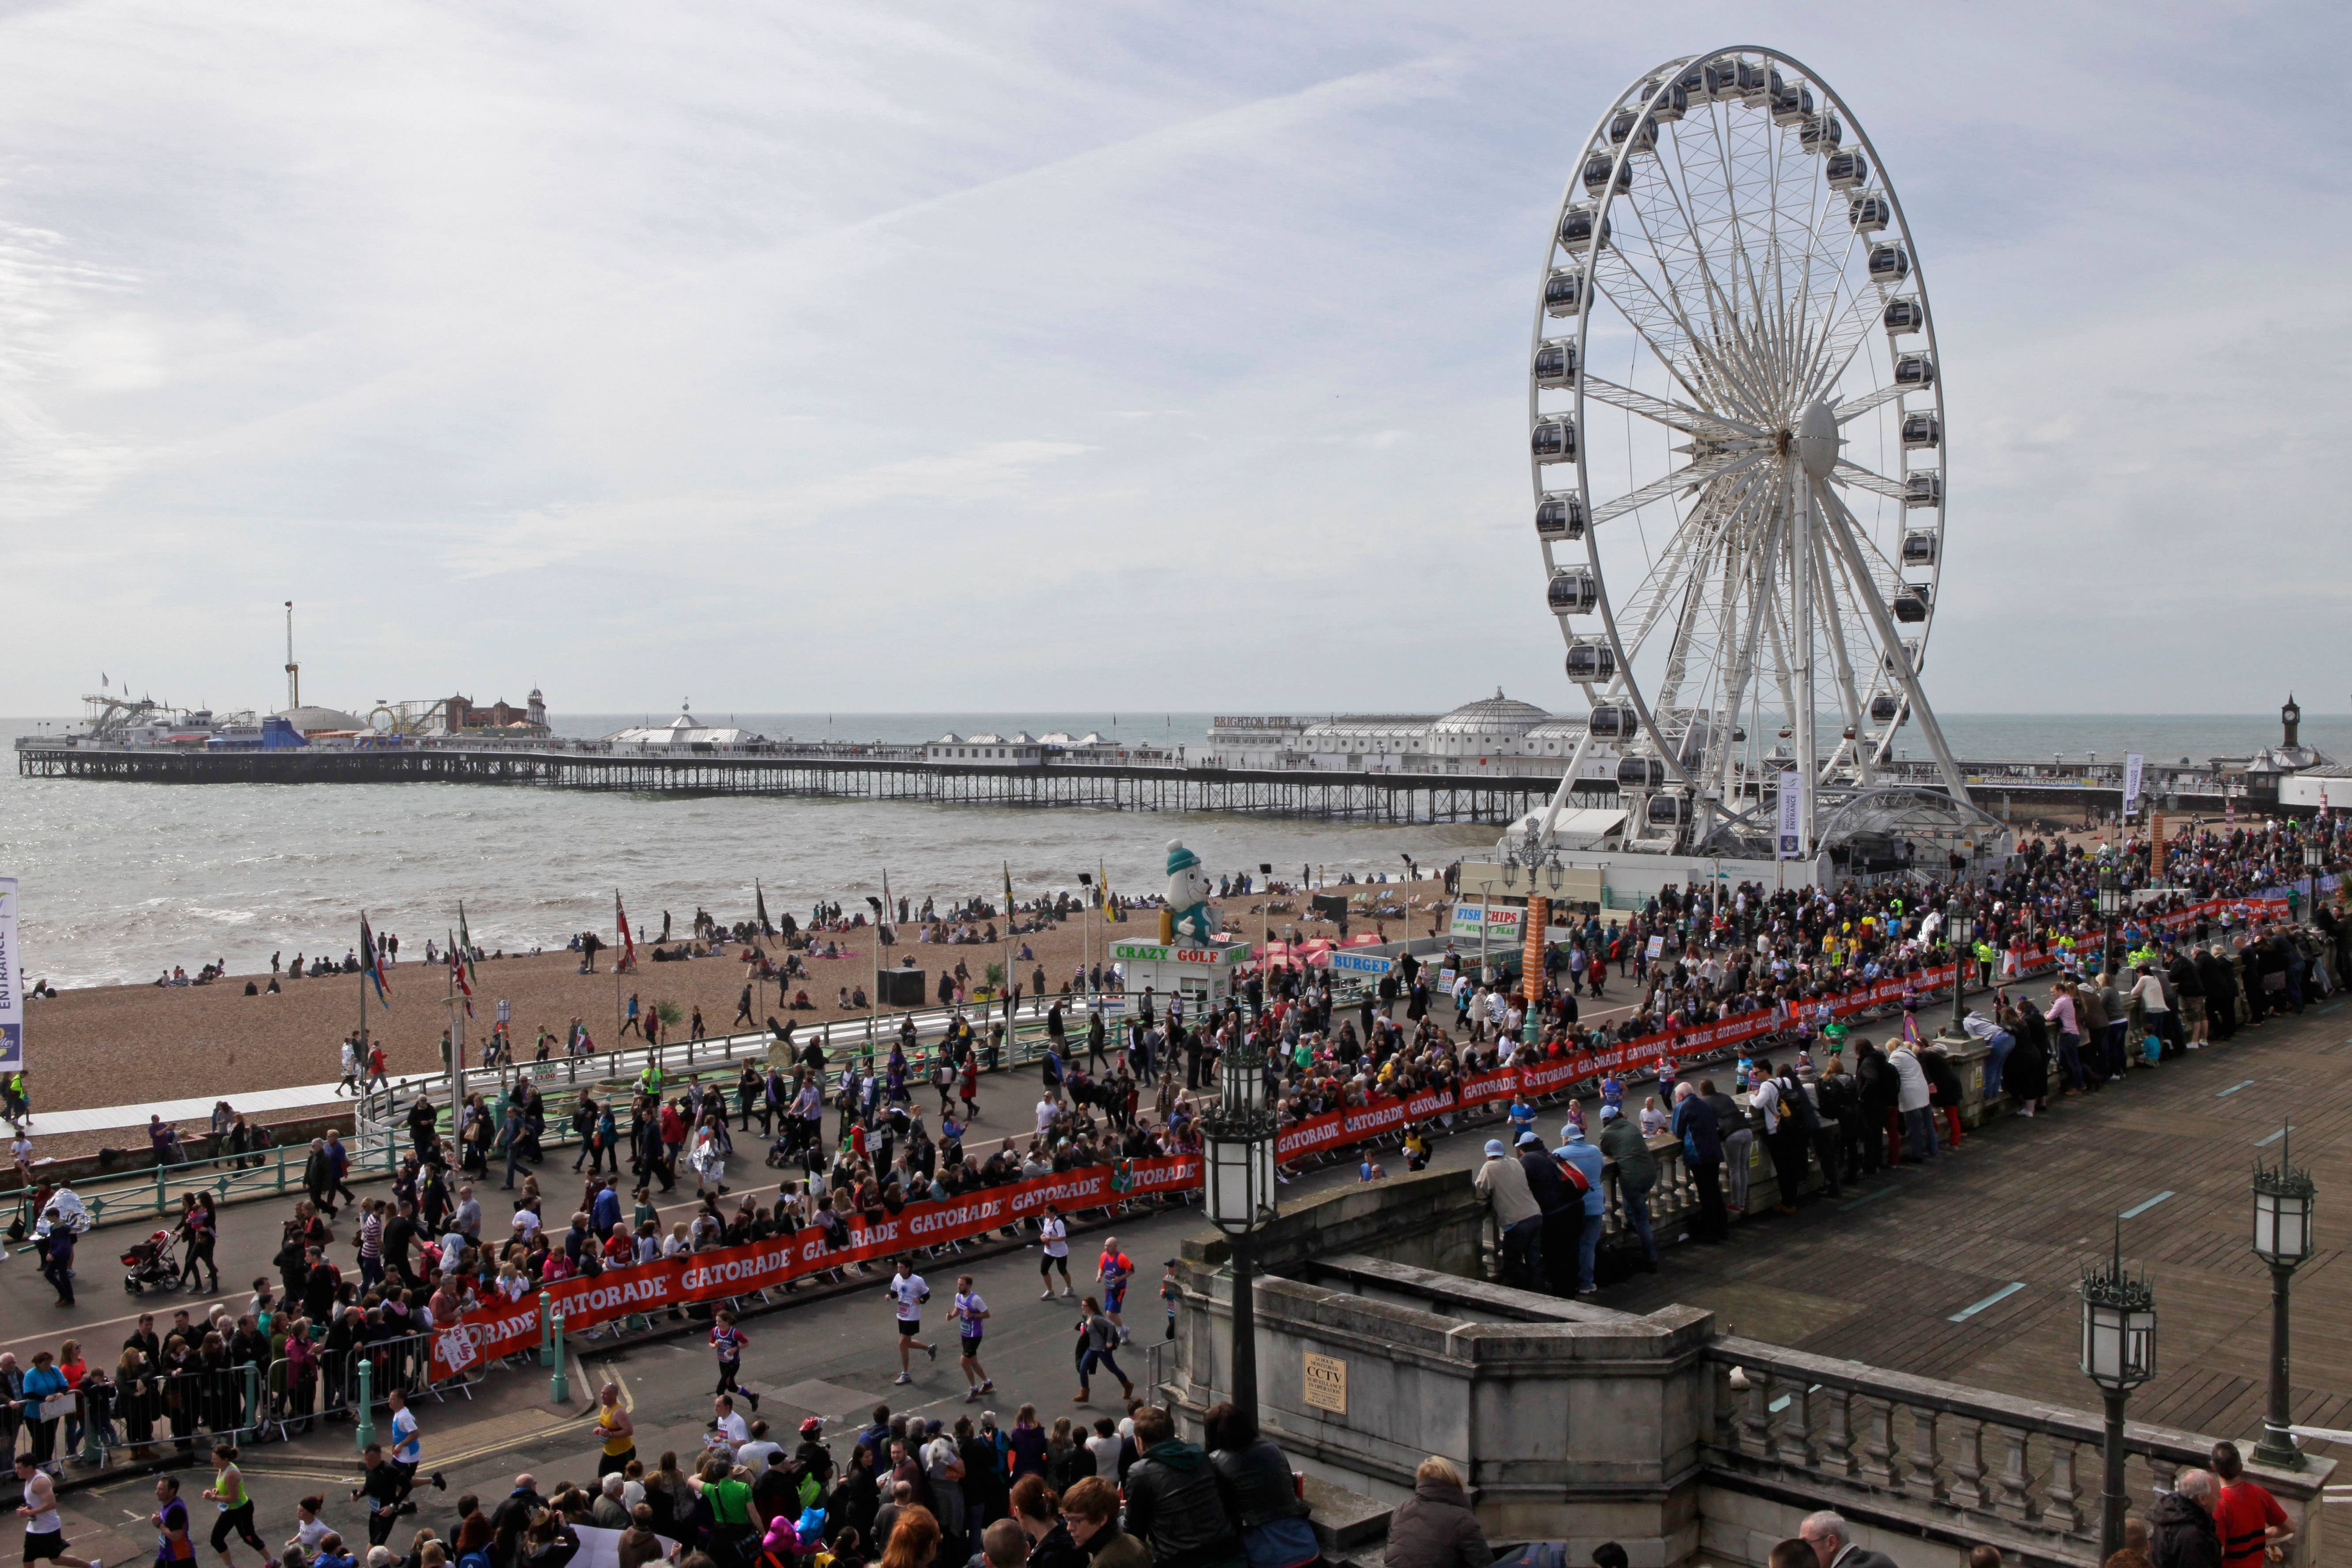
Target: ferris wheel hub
(1817, 439)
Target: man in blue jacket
(1702, 1134)
(1575, 1152)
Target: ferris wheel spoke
(1675, 415)
(1855, 474)
(1719, 507)
(1853, 408)
(1735, 516)
(1842, 531)
(1696, 472)
(1832, 617)
(1758, 573)
(1685, 352)
(1711, 351)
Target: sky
(874, 357)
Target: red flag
(628, 944)
(459, 981)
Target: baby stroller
(150, 1264)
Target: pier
(1438, 791)
(871, 774)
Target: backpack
(1572, 1175)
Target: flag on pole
(1008, 900)
(459, 981)
(888, 908)
(760, 894)
(372, 962)
(628, 944)
(1102, 891)
(465, 948)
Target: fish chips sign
(504, 1329)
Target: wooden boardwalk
(1881, 1277)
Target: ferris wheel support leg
(1566, 786)
(1809, 762)
(1840, 525)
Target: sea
(123, 881)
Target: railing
(868, 1041)
(239, 1403)
(1860, 1435)
(151, 1191)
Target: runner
(44, 1531)
(1054, 1235)
(970, 1313)
(173, 1549)
(1099, 1338)
(228, 1495)
(614, 1430)
(408, 1450)
(909, 1293)
(380, 1484)
(728, 1342)
(1112, 1272)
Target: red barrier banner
(725, 1272)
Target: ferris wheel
(1736, 438)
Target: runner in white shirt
(970, 1315)
(907, 1294)
(1054, 1236)
(44, 1531)
(1046, 1112)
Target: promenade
(102, 1059)
(1964, 1271)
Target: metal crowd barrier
(111, 1421)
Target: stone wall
(1380, 1342)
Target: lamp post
(2283, 1200)
(1238, 1136)
(2111, 904)
(2118, 1355)
(2311, 868)
(1961, 930)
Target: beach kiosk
(1205, 973)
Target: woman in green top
(228, 1495)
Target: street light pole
(2111, 901)
(1960, 930)
(2283, 1200)
(1238, 1139)
(2118, 1355)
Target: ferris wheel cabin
(1561, 515)
(1588, 662)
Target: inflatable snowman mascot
(1190, 918)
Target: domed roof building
(1492, 726)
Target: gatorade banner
(491, 1333)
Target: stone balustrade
(1917, 1455)
(1378, 1343)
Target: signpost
(12, 997)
